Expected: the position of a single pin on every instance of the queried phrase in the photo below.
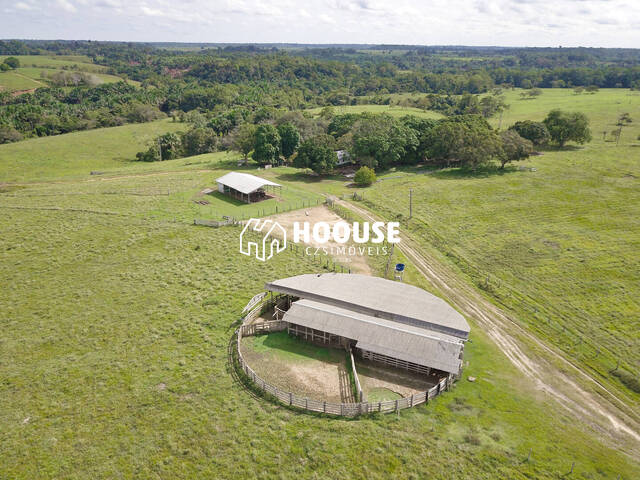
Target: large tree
(536, 132)
(266, 148)
(289, 138)
(466, 140)
(199, 140)
(568, 126)
(514, 147)
(316, 154)
(383, 141)
(244, 139)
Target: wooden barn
(381, 320)
(245, 187)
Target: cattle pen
(280, 307)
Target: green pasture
(114, 364)
(391, 110)
(28, 75)
(116, 312)
(556, 246)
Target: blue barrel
(399, 267)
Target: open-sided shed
(244, 186)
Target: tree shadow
(480, 172)
(304, 177)
(558, 148)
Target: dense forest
(231, 84)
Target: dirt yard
(357, 263)
(376, 378)
(320, 373)
(300, 367)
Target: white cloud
(66, 5)
(472, 22)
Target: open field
(77, 154)
(114, 363)
(391, 110)
(27, 76)
(113, 356)
(14, 80)
(556, 246)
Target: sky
(589, 23)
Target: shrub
(364, 177)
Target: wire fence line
(309, 404)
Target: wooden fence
(294, 400)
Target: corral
(408, 341)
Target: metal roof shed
(244, 186)
(379, 298)
(381, 336)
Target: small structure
(381, 320)
(344, 158)
(245, 187)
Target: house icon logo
(269, 244)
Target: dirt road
(547, 368)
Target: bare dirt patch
(375, 377)
(316, 378)
(357, 263)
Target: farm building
(245, 187)
(344, 158)
(384, 321)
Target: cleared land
(28, 75)
(391, 110)
(557, 246)
(117, 320)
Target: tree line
(376, 141)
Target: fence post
(306, 403)
(342, 409)
(411, 401)
(290, 398)
(396, 405)
(324, 407)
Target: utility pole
(410, 203)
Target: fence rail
(294, 400)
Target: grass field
(114, 363)
(27, 76)
(116, 318)
(391, 110)
(77, 154)
(557, 246)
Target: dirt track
(603, 411)
(357, 263)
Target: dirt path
(357, 263)
(603, 410)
